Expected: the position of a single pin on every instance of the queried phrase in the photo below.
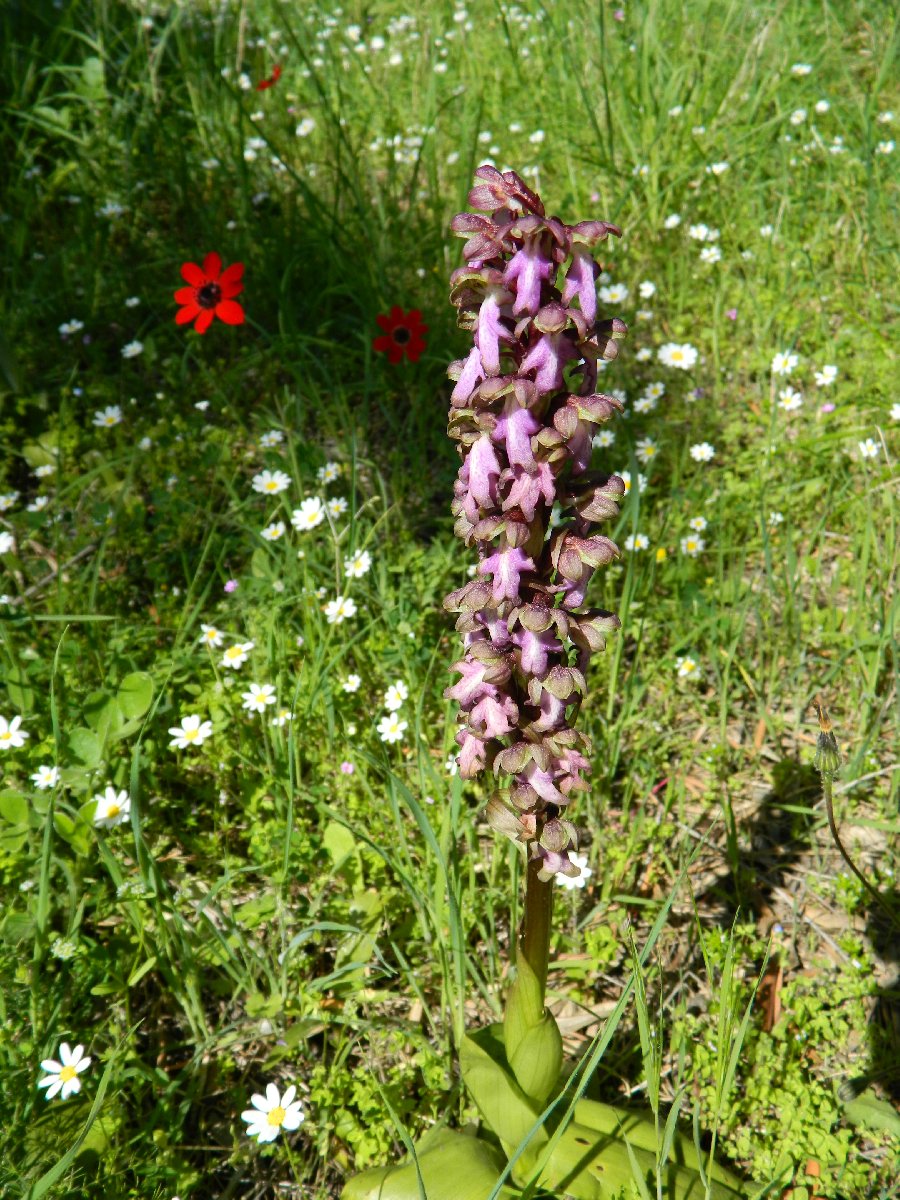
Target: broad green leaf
(489, 1082)
(86, 746)
(13, 807)
(867, 1111)
(603, 1148)
(102, 714)
(453, 1166)
(17, 927)
(135, 694)
(18, 689)
(254, 912)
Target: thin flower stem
(827, 782)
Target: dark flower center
(401, 336)
(209, 295)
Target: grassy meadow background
(303, 902)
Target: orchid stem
(534, 934)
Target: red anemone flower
(210, 293)
(402, 335)
(271, 81)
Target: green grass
(265, 916)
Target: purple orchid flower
(527, 294)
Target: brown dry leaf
(759, 734)
(769, 995)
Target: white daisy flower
(575, 881)
(775, 519)
(132, 349)
(869, 448)
(11, 736)
(625, 476)
(604, 439)
(655, 390)
(211, 636)
(62, 1077)
(682, 356)
(258, 697)
(235, 656)
(270, 483)
(645, 404)
(687, 666)
(282, 716)
(191, 732)
(391, 728)
(351, 683)
(637, 541)
(7, 542)
(698, 523)
(710, 254)
(336, 507)
(273, 532)
(646, 289)
(616, 293)
(113, 808)
(310, 514)
(718, 168)
(395, 695)
(692, 546)
(339, 609)
(645, 450)
(789, 399)
(45, 777)
(672, 221)
(7, 500)
(107, 417)
(274, 437)
(273, 1112)
(702, 452)
(826, 376)
(357, 564)
(798, 70)
(784, 362)
(329, 473)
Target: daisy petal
(70, 1087)
(288, 1098)
(273, 1098)
(83, 1065)
(54, 1089)
(65, 1054)
(51, 1065)
(77, 1053)
(293, 1119)
(259, 1102)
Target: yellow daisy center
(190, 735)
(5, 737)
(271, 485)
(67, 1073)
(113, 811)
(276, 1115)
